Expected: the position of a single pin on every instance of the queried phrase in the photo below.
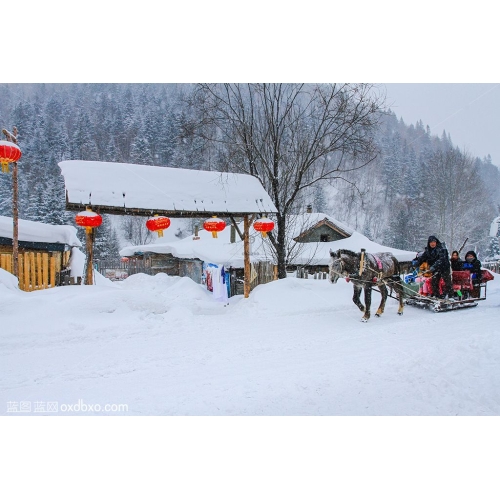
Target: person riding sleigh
(436, 256)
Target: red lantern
(9, 153)
(88, 220)
(214, 225)
(158, 224)
(263, 225)
(124, 259)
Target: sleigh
(466, 293)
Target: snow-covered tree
(291, 136)
(493, 249)
(106, 244)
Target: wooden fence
(302, 272)
(261, 273)
(37, 270)
(117, 270)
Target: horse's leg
(383, 293)
(368, 303)
(355, 297)
(399, 289)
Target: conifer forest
(415, 184)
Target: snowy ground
(161, 346)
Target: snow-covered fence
(118, 270)
(302, 272)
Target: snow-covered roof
(221, 251)
(208, 249)
(319, 253)
(145, 190)
(40, 232)
(298, 224)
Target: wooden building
(44, 253)
(323, 231)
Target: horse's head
(336, 267)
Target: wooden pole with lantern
(89, 220)
(10, 154)
(246, 256)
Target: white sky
(469, 112)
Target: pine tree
(83, 146)
(6, 195)
(319, 203)
(106, 244)
(494, 249)
(140, 152)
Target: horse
(367, 270)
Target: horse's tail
(396, 277)
(397, 267)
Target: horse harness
(379, 279)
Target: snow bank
(77, 266)
(162, 346)
(8, 281)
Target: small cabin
(323, 231)
(44, 253)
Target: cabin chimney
(309, 209)
(196, 237)
(233, 234)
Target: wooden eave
(177, 214)
(36, 245)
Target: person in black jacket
(473, 265)
(436, 256)
(456, 261)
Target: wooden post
(52, 271)
(12, 137)
(21, 273)
(246, 256)
(39, 270)
(15, 221)
(45, 272)
(26, 272)
(90, 261)
(33, 271)
(9, 263)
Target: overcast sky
(470, 112)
